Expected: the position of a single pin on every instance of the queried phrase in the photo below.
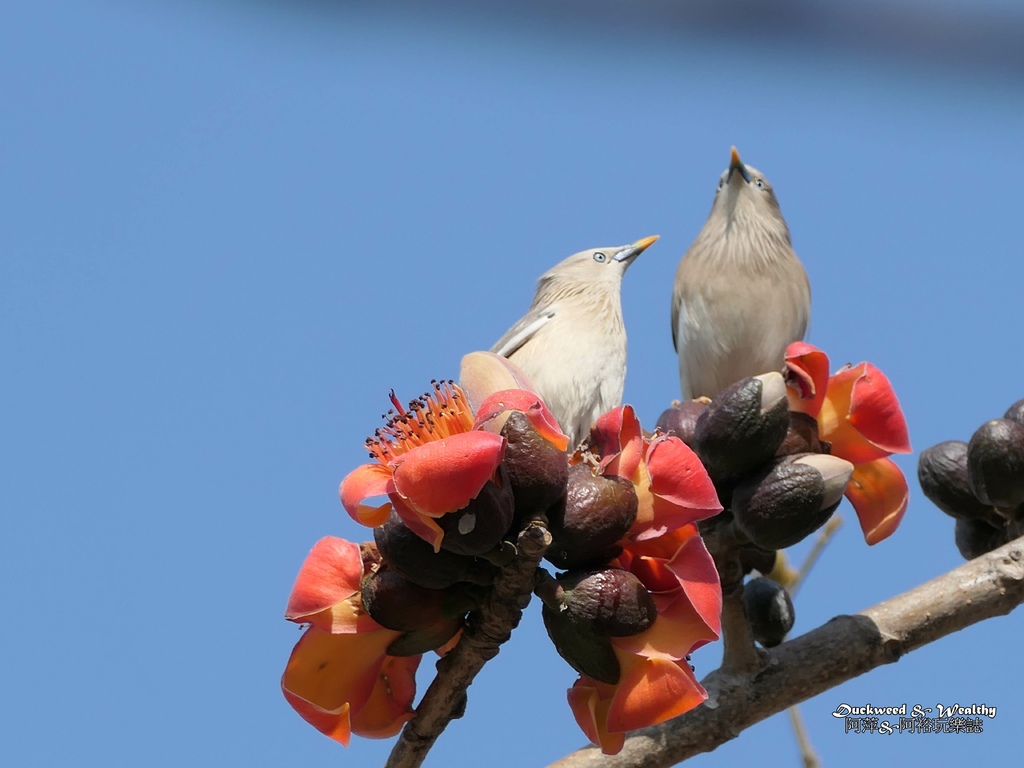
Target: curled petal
(589, 701)
(618, 432)
(329, 678)
(484, 373)
(652, 691)
(329, 575)
(421, 525)
(677, 631)
(362, 483)
(493, 413)
(698, 576)
(808, 377)
(390, 703)
(879, 494)
(443, 476)
(861, 416)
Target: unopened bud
(995, 463)
(681, 420)
(412, 557)
(743, 426)
(769, 610)
(780, 505)
(480, 525)
(598, 510)
(942, 473)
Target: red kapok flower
(858, 413)
(339, 677)
(672, 486)
(666, 553)
(436, 456)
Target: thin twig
(807, 754)
(445, 698)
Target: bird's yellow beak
(629, 252)
(735, 164)
(645, 243)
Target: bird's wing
(523, 331)
(677, 310)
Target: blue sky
(227, 231)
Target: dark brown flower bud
(769, 611)
(793, 497)
(1015, 412)
(410, 556)
(537, 470)
(995, 463)
(743, 426)
(681, 420)
(597, 511)
(480, 525)
(585, 651)
(942, 473)
(610, 601)
(397, 603)
(802, 436)
(976, 537)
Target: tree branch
(445, 699)
(841, 649)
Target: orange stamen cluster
(433, 416)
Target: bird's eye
(721, 183)
(600, 257)
(760, 183)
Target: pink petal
(443, 476)
(879, 495)
(329, 575)
(484, 373)
(362, 483)
(542, 420)
(618, 434)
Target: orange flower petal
(362, 483)
(808, 380)
(329, 575)
(699, 579)
(861, 416)
(652, 691)
(443, 476)
(879, 494)
(421, 525)
(681, 486)
(328, 677)
(875, 412)
(676, 632)
(389, 706)
(591, 712)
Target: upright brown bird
(741, 294)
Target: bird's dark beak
(735, 164)
(629, 252)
